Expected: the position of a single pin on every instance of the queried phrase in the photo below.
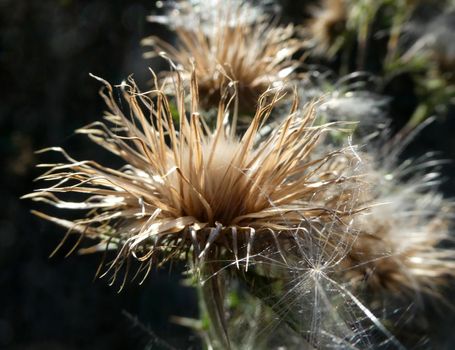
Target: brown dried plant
(237, 44)
(188, 188)
(187, 191)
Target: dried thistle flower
(189, 188)
(236, 43)
(203, 195)
(401, 245)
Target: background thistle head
(229, 43)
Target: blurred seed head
(328, 23)
(403, 248)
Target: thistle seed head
(403, 245)
(190, 191)
(237, 45)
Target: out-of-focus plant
(403, 43)
(429, 56)
(228, 43)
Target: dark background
(47, 50)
